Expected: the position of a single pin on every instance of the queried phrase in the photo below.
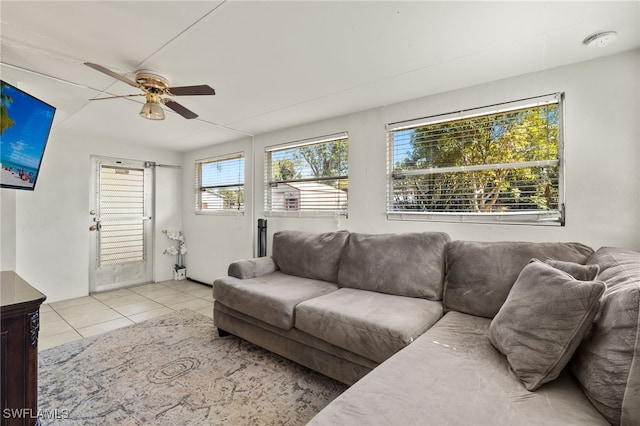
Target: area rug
(175, 370)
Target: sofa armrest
(252, 268)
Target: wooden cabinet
(20, 324)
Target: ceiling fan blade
(188, 114)
(115, 97)
(113, 74)
(191, 90)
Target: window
(307, 177)
(499, 163)
(219, 184)
(292, 204)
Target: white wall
(216, 239)
(168, 215)
(602, 149)
(51, 224)
(7, 230)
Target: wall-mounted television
(24, 130)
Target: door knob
(92, 212)
(93, 228)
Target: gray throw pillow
(576, 270)
(543, 320)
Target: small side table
(20, 324)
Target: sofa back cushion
(410, 264)
(309, 255)
(607, 363)
(479, 275)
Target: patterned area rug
(175, 370)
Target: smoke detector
(602, 39)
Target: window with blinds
(219, 184)
(308, 177)
(494, 164)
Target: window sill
(219, 212)
(526, 218)
(306, 214)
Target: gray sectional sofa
(433, 331)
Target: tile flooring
(72, 319)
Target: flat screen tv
(25, 125)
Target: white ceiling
(276, 64)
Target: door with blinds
(120, 224)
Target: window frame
(300, 211)
(526, 217)
(199, 188)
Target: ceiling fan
(154, 86)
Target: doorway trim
(138, 268)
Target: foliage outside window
(501, 163)
(219, 184)
(307, 177)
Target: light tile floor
(73, 319)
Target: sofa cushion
(271, 298)
(452, 375)
(410, 264)
(371, 324)
(576, 270)
(480, 274)
(543, 320)
(309, 255)
(607, 363)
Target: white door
(120, 224)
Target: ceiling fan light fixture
(152, 110)
(601, 39)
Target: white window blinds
(498, 163)
(308, 177)
(219, 184)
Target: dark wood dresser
(20, 323)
